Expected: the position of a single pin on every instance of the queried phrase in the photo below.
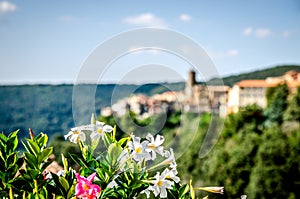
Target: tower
(191, 82)
(191, 78)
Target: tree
(277, 105)
(276, 170)
(292, 112)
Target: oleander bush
(128, 167)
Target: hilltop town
(199, 98)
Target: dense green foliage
(260, 74)
(22, 174)
(293, 110)
(255, 154)
(116, 168)
(251, 157)
(277, 104)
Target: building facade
(247, 92)
(199, 97)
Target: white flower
(98, 129)
(170, 159)
(138, 149)
(243, 196)
(107, 128)
(147, 192)
(123, 157)
(171, 174)
(219, 190)
(61, 172)
(76, 134)
(112, 184)
(154, 145)
(160, 185)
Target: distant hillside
(259, 74)
(151, 89)
(48, 108)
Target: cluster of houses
(199, 97)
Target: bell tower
(191, 81)
(191, 78)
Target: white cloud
(6, 6)
(286, 33)
(146, 19)
(258, 32)
(248, 31)
(185, 17)
(232, 52)
(262, 32)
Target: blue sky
(48, 41)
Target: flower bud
(93, 119)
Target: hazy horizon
(107, 82)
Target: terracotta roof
(255, 83)
(218, 88)
(264, 83)
(293, 84)
(291, 72)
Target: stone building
(200, 97)
(247, 92)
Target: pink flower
(85, 189)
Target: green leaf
(14, 134)
(34, 147)
(39, 196)
(64, 183)
(192, 191)
(11, 159)
(2, 159)
(78, 160)
(45, 192)
(31, 160)
(11, 171)
(3, 146)
(114, 133)
(65, 162)
(3, 138)
(114, 151)
(122, 141)
(20, 162)
(107, 139)
(26, 146)
(58, 184)
(42, 140)
(71, 192)
(33, 173)
(12, 144)
(45, 154)
(183, 190)
(101, 174)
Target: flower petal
(107, 128)
(91, 177)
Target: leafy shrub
(109, 168)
